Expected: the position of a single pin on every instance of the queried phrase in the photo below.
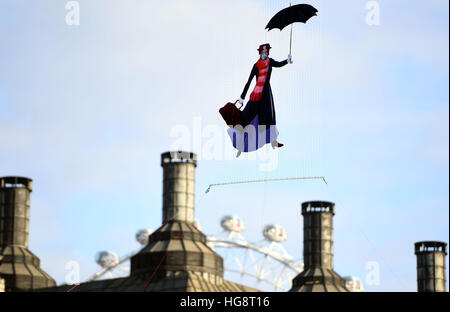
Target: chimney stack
(177, 249)
(19, 267)
(178, 186)
(15, 210)
(318, 234)
(430, 266)
(318, 274)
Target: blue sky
(85, 111)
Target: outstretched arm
(247, 85)
(278, 64)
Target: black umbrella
(297, 13)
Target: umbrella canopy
(296, 13)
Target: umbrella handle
(290, 40)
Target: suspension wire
(317, 148)
(352, 229)
(265, 19)
(264, 203)
(265, 180)
(259, 181)
(350, 225)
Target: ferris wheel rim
(262, 280)
(246, 245)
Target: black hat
(264, 45)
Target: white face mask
(264, 56)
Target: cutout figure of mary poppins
(258, 123)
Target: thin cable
(370, 242)
(265, 19)
(265, 180)
(264, 203)
(155, 270)
(290, 39)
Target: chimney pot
(430, 266)
(178, 186)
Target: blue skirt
(252, 137)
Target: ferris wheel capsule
(107, 259)
(232, 224)
(275, 233)
(197, 224)
(354, 284)
(142, 236)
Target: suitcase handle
(240, 108)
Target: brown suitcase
(231, 114)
